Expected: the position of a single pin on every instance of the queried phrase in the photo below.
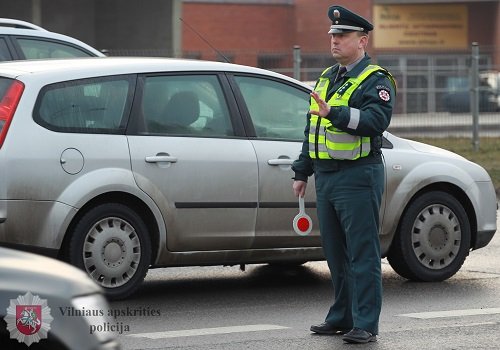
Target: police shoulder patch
(384, 95)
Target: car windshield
(89, 105)
(457, 84)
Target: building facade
(130, 27)
(426, 44)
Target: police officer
(350, 109)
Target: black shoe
(359, 336)
(326, 328)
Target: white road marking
(208, 331)
(433, 327)
(452, 313)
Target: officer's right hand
(299, 188)
(324, 108)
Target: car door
(277, 111)
(186, 156)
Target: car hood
(421, 153)
(24, 272)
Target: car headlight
(95, 310)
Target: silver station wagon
(118, 165)
(20, 40)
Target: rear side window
(97, 105)
(40, 49)
(192, 105)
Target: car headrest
(183, 108)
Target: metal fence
(439, 96)
(455, 95)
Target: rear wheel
(433, 239)
(111, 243)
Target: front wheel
(433, 239)
(111, 243)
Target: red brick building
(249, 27)
(426, 45)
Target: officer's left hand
(299, 188)
(324, 108)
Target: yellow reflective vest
(328, 142)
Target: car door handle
(161, 159)
(280, 161)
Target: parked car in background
(20, 40)
(70, 301)
(457, 99)
(122, 164)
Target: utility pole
(296, 62)
(36, 12)
(475, 95)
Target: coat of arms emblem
(28, 318)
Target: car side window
(277, 110)
(97, 105)
(4, 51)
(40, 49)
(191, 105)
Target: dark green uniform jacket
(374, 99)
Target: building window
(273, 62)
(314, 64)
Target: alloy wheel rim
(111, 252)
(436, 236)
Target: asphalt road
(268, 307)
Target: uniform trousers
(348, 204)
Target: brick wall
(312, 22)
(248, 28)
(242, 28)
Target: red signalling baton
(302, 223)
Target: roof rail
(16, 23)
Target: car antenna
(205, 40)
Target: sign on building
(422, 27)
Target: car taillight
(8, 106)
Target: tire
(433, 238)
(111, 243)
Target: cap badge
(336, 13)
